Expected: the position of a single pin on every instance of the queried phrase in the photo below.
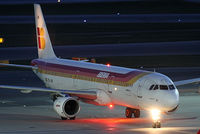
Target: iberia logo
(41, 39)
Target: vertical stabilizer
(45, 50)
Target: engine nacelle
(66, 107)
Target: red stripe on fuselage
(85, 71)
(38, 34)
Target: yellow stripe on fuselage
(95, 79)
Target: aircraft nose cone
(172, 101)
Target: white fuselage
(122, 86)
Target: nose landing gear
(156, 124)
(156, 118)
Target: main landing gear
(130, 111)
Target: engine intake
(66, 107)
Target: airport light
(1, 40)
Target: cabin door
(110, 84)
(75, 79)
(139, 89)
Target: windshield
(171, 87)
(162, 87)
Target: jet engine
(66, 107)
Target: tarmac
(33, 113)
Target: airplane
(70, 82)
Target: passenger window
(171, 87)
(156, 87)
(151, 87)
(163, 87)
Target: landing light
(1, 40)
(155, 114)
(156, 118)
(108, 65)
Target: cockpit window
(151, 87)
(155, 87)
(163, 87)
(171, 87)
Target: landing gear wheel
(72, 118)
(156, 124)
(136, 113)
(63, 118)
(128, 112)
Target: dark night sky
(104, 26)
(76, 1)
(54, 1)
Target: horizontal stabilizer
(19, 66)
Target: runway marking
(187, 118)
(183, 130)
(4, 101)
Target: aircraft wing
(79, 93)
(19, 66)
(189, 81)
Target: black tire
(72, 118)
(63, 118)
(154, 125)
(128, 112)
(158, 125)
(136, 113)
